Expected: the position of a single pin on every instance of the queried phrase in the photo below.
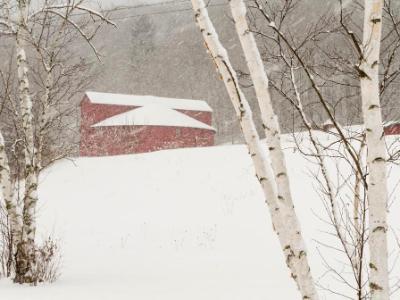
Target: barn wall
(100, 141)
(392, 130)
(202, 116)
(92, 113)
(116, 140)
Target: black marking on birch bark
(302, 253)
(281, 174)
(379, 228)
(261, 179)
(373, 106)
(378, 159)
(271, 148)
(281, 198)
(289, 258)
(372, 266)
(375, 287)
(374, 64)
(242, 111)
(375, 20)
(361, 73)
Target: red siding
(92, 113)
(392, 129)
(202, 116)
(115, 140)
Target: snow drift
(177, 224)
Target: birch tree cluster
(340, 70)
(41, 75)
(327, 44)
(343, 64)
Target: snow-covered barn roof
(391, 122)
(153, 115)
(138, 100)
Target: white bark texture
(15, 219)
(25, 254)
(272, 133)
(289, 235)
(376, 155)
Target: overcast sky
(111, 3)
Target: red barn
(113, 124)
(392, 128)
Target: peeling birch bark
(281, 214)
(376, 155)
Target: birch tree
(271, 124)
(25, 257)
(58, 76)
(22, 28)
(281, 208)
(324, 66)
(376, 155)
(11, 205)
(271, 127)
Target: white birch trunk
(272, 134)
(376, 155)
(289, 235)
(25, 254)
(7, 188)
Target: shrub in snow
(47, 262)
(46, 258)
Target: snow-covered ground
(175, 225)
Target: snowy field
(176, 225)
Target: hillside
(177, 224)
